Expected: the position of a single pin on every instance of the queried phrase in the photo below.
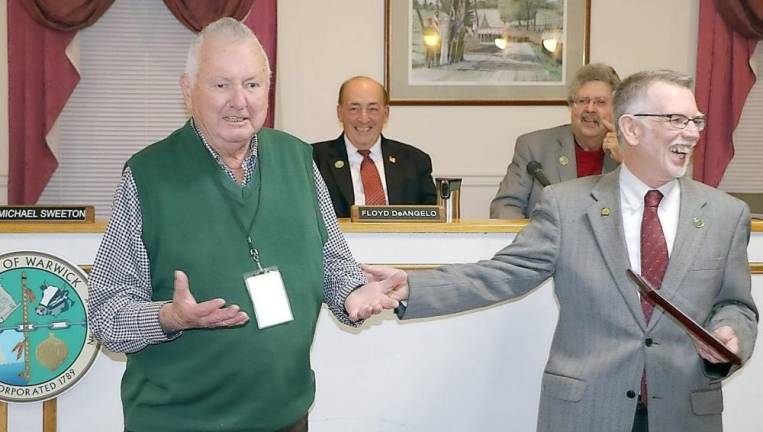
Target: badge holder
(268, 294)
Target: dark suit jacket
(408, 173)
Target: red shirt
(588, 162)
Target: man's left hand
(370, 299)
(726, 335)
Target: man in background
(617, 362)
(362, 166)
(236, 216)
(586, 146)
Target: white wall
(321, 43)
(3, 102)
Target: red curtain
(263, 22)
(724, 78)
(260, 17)
(66, 15)
(195, 14)
(41, 79)
(744, 16)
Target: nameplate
(399, 213)
(47, 214)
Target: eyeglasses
(678, 121)
(599, 102)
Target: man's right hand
(185, 313)
(610, 143)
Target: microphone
(535, 169)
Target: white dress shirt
(632, 192)
(355, 158)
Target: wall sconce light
(550, 44)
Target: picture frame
(482, 52)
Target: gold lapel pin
(564, 160)
(605, 211)
(338, 164)
(392, 159)
(698, 222)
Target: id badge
(268, 294)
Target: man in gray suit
(586, 146)
(616, 364)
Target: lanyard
(253, 251)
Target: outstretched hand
(185, 313)
(396, 278)
(610, 143)
(378, 294)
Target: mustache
(591, 117)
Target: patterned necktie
(654, 259)
(654, 249)
(372, 185)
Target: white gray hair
(593, 72)
(224, 27)
(630, 95)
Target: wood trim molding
(471, 226)
(755, 267)
(463, 226)
(99, 226)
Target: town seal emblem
(45, 343)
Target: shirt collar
(633, 189)
(216, 156)
(248, 164)
(352, 151)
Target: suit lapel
(690, 234)
(340, 169)
(605, 218)
(392, 175)
(565, 157)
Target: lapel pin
(392, 159)
(338, 164)
(564, 160)
(698, 222)
(605, 211)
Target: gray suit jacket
(602, 343)
(554, 149)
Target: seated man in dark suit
(586, 146)
(390, 172)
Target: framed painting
(484, 52)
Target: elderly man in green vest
(219, 222)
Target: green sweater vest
(228, 379)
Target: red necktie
(654, 249)
(372, 185)
(654, 258)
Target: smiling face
(229, 97)
(658, 152)
(585, 118)
(362, 111)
